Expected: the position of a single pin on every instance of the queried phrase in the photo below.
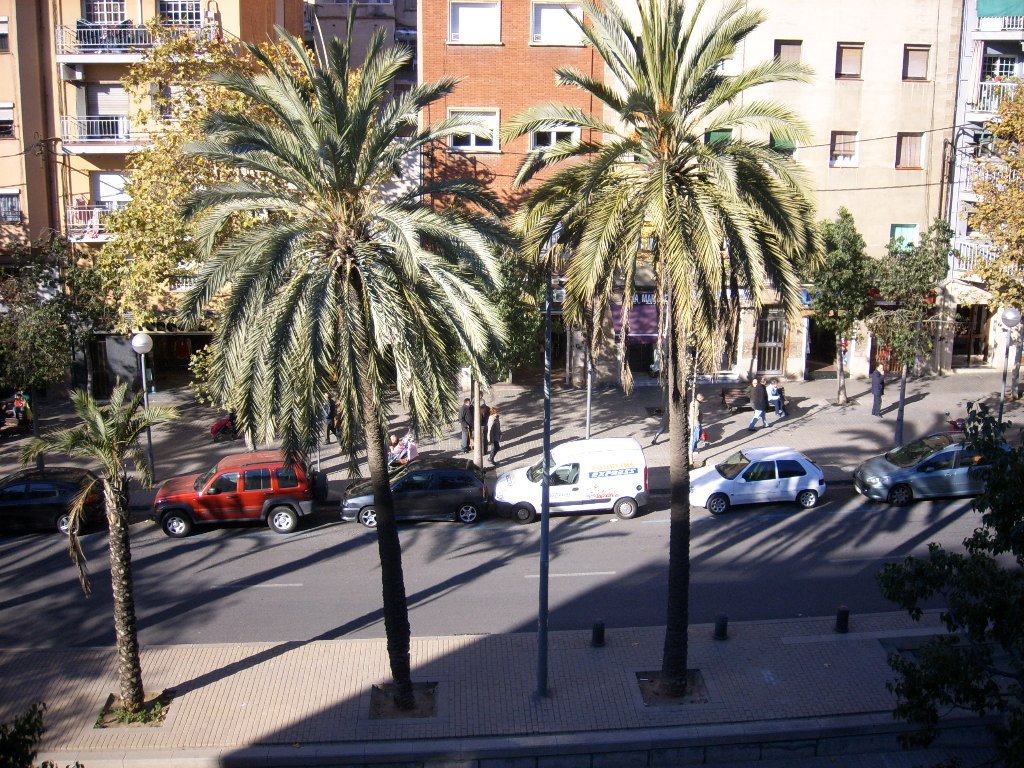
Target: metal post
(545, 510)
(590, 386)
(145, 402)
(1010, 318)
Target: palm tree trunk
(129, 668)
(396, 609)
(672, 681)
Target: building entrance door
(970, 339)
(771, 342)
(821, 351)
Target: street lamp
(1010, 318)
(142, 343)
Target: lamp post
(142, 343)
(1010, 318)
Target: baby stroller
(225, 429)
(405, 451)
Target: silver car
(934, 466)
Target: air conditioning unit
(558, 295)
(71, 72)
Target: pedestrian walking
(330, 419)
(776, 399)
(877, 390)
(485, 414)
(466, 423)
(696, 425)
(758, 395)
(494, 433)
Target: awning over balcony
(1000, 7)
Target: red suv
(246, 486)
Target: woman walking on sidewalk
(494, 433)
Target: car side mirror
(213, 490)
(928, 468)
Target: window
(844, 149)
(567, 474)
(760, 470)
(788, 51)
(104, 11)
(10, 208)
(454, 481)
(782, 146)
(715, 137)
(938, 463)
(848, 60)
(184, 13)
(998, 68)
(915, 62)
(550, 138)
(983, 144)
(905, 232)
(227, 483)
(790, 468)
(555, 24)
(478, 23)
(256, 480)
(286, 478)
(418, 481)
(908, 150)
(488, 119)
(5, 34)
(6, 120)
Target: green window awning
(1000, 7)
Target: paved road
(249, 584)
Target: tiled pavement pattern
(793, 691)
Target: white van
(586, 476)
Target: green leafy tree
(519, 303)
(842, 280)
(109, 435)
(725, 211)
(999, 213)
(979, 665)
(347, 283)
(906, 284)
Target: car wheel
(718, 504)
(467, 514)
(282, 520)
(807, 499)
(64, 523)
(626, 509)
(900, 495)
(368, 517)
(524, 514)
(177, 525)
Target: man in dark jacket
(877, 390)
(466, 422)
(758, 394)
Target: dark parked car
(37, 499)
(424, 489)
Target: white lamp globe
(1010, 317)
(142, 343)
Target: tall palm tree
(109, 435)
(725, 213)
(344, 280)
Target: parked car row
(605, 474)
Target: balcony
(990, 96)
(970, 252)
(103, 134)
(87, 223)
(114, 43)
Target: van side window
(227, 483)
(256, 480)
(567, 474)
(286, 478)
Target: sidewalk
(775, 693)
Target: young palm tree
(723, 213)
(109, 435)
(346, 280)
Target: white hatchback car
(755, 476)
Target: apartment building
(879, 108)
(991, 66)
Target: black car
(41, 499)
(424, 489)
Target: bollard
(843, 619)
(597, 635)
(721, 627)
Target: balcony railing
(87, 38)
(107, 129)
(1013, 23)
(991, 95)
(970, 253)
(88, 222)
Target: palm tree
(109, 435)
(724, 211)
(343, 281)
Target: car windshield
(204, 478)
(536, 472)
(733, 465)
(908, 455)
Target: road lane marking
(564, 575)
(254, 586)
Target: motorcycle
(225, 429)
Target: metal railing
(103, 128)
(1011, 23)
(970, 253)
(991, 95)
(118, 38)
(86, 222)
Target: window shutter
(915, 66)
(850, 57)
